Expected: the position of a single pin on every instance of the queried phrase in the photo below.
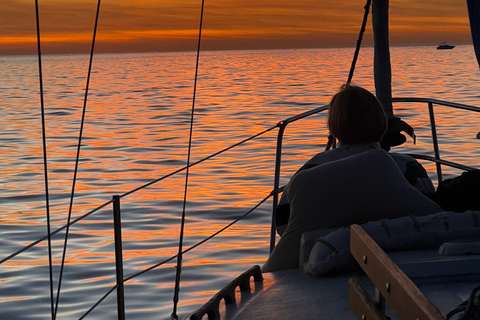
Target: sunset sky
(172, 25)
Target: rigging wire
(32, 244)
(13, 255)
(359, 41)
(206, 239)
(182, 226)
(98, 302)
(45, 158)
(200, 161)
(175, 256)
(77, 160)
(331, 139)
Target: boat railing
(436, 159)
(116, 200)
(431, 103)
(282, 125)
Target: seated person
(357, 184)
(412, 170)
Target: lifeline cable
(45, 158)
(32, 244)
(182, 227)
(175, 256)
(77, 160)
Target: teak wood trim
(402, 295)
(361, 304)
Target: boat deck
(313, 298)
(446, 281)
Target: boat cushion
(332, 252)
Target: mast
(382, 71)
(474, 15)
(381, 62)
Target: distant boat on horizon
(444, 45)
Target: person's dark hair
(356, 116)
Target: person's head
(356, 116)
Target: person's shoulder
(342, 151)
(354, 165)
(401, 157)
(370, 162)
(322, 157)
(329, 155)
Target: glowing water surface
(136, 130)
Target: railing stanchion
(435, 141)
(117, 228)
(278, 161)
(276, 183)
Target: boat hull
(445, 47)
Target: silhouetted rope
(45, 158)
(182, 225)
(77, 159)
(469, 309)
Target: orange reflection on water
(96, 279)
(136, 130)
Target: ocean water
(136, 130)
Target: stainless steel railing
(437, 159)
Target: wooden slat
(361, 304)
(402, 295)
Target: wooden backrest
(401, 294)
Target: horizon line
(223, 49)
